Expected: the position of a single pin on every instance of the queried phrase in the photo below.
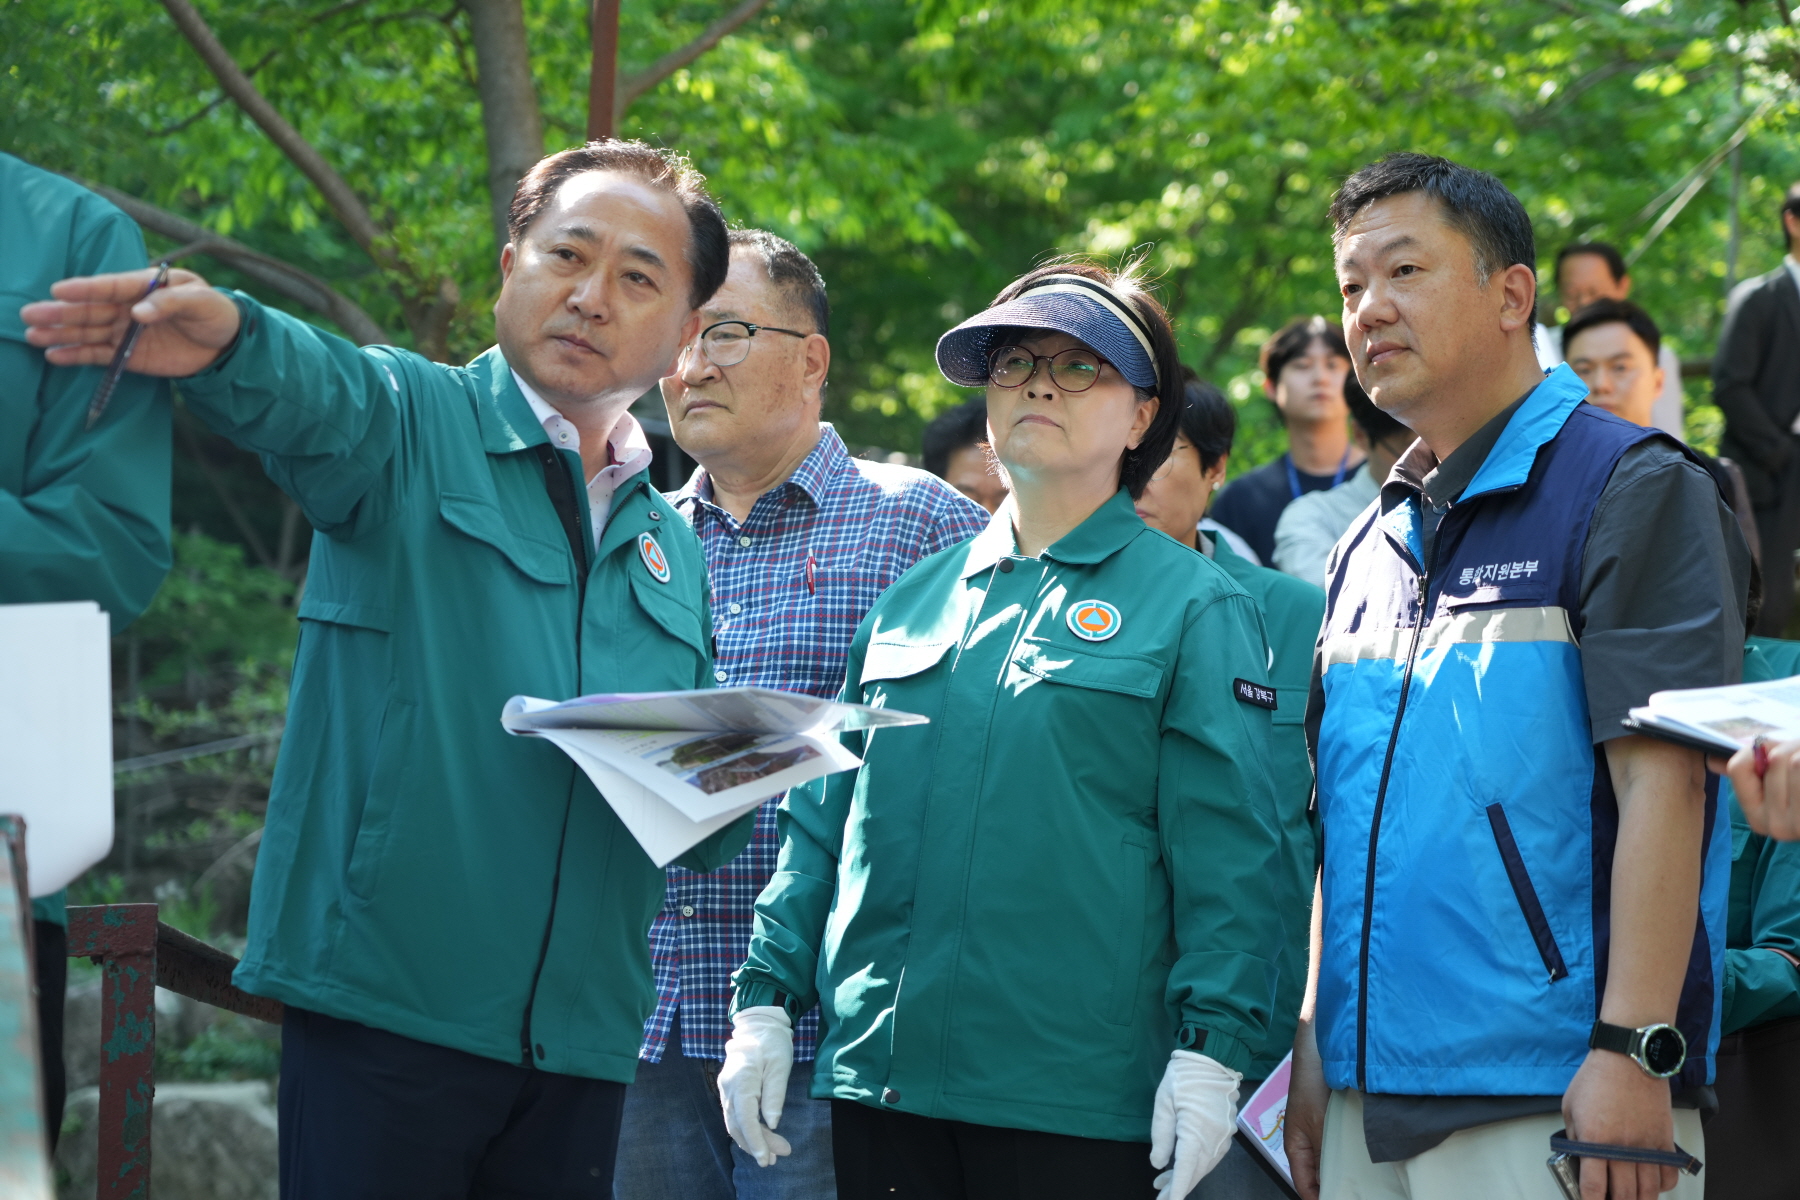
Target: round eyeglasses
(1072, 370)
(726, 343)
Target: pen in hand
(122, 355)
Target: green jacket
(421, 871)
(1012, 915)
(1292, 611)
(1761, 985)
(83, 515)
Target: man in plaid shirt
(800, 539)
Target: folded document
(1722, 720)
(678, 766)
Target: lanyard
(1294, 476)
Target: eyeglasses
(727, 343)
(1072, 370)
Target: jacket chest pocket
(1077, 667)
(669, 613)
(539, 561)
(900, 660)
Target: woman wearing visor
(1043, 928)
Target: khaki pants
(1502, 1161)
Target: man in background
(84, 513)
(1311, 525)
(1590, 271)
(1612, 345)
(800, 538)
(1756, 384)
(956, 451)
(1304, 366)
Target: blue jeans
(673, 1141)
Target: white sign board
(56, 736)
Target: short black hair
(1790, 205)
(1293, 340)
(1475, 204)
(1128, 283)
(709, 258)
(1376, 425)
(1615, 262)
(1606, 312)
(1208, 421)
(792, 273)
(952, 430)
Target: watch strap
(1620, 1039)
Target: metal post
(123, 938)
(602, 80)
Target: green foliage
(228, 1049)
(927, 152)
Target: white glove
(753, 1082)
(1195, 1115)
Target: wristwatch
(1658, 1050)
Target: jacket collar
(1109, 529)
(1539, 418)
(501, 411)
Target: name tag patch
(1254, 693)
(653, 557)
(1093, 620)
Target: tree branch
(509, 103)
(630, 89)
(282, 278)
(344, 202)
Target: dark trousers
(52, 954)
(898, 1156)
(371, 1115)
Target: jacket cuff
(1222, 1048)
(220, 370)
(758, 993)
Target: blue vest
(1467, 824)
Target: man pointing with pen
(454, 917)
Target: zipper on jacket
(1387, 765)
(1526, 894)
(563, 497)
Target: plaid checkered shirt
(789, 587)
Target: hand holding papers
(1722, 720)
(1262, 1123)
(677, 766)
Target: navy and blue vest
(1468, 824)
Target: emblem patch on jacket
(1093, 620)
(1254, 693)
(653, 557)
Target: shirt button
(687, 910)
(562, 437)
(1006, 566)
(743, 541)
(655, 516)
(737, 608)
(890, 1096)
(540, 1051)
(720, 676)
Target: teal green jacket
(1292, 611)
(421, 871)
(83, 515)
(1012, 915)
(1764, 917)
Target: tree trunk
(509, 102)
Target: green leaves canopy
(927, 153)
